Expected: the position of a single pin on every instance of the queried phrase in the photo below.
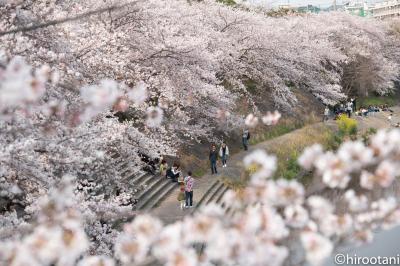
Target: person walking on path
(224, 153)
(354, 102)
(245, 139)
(189, 183)
(181, 195)
(326, 113)
(213, 159)
(349, 108)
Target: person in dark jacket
(174, 172)
(354, 102)
(245, 139)
(213, 159)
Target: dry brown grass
(290, 146)
(192, 163)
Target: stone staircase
(213, 194)
(151, 189)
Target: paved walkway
(169, 210)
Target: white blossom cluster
(181, 68)
(185, 51)
(272, 217)
(43, 137)
(268, 119)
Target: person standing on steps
(213, 157)
(245, 139)
(224, 153)
(189, 183)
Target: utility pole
(334, 5)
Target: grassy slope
(308, 110)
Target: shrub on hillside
(347, 126)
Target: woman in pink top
(189, 182)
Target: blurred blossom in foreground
(18, 86)
(251, 120)
(155, 116)
(317, 247)
(271, 118)
(268, 119)
(58, 239)
(97, 261)
(139, 93)
(99, 97)
(261, 163)
(270, 217)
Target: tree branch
(67, 19)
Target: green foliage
(278, 130)
(251, 85)
(291, 168)
(287, 164)
(227, 2)
(347, 126)
(367, 135)
(377, 101)
(199, 172)
(334, 141)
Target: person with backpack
(224, 153)
(213, 157)
(245, 139)
(189, 183)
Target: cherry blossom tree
(275, 217)
(179, 68)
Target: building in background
(358, 8)
(386, 9)
(309, 9)
(286, 6)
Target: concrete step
(154, 194)
(152, 184)
(216, 193)
(122, 165)
(137, 177)
(157, 201)
(126, 172)
(221, 195)
(206, 195)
